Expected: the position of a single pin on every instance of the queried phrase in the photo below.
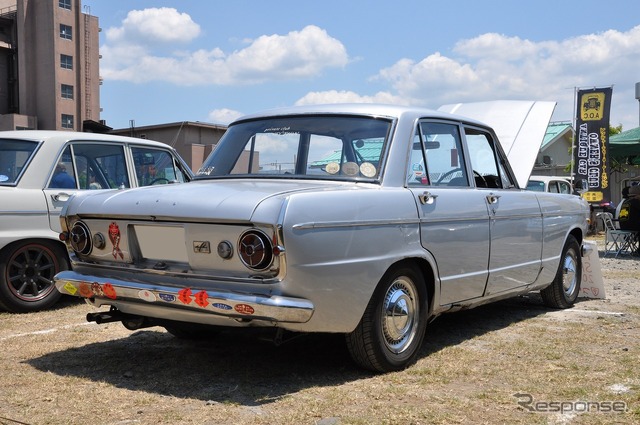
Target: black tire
(392, 328)
(27, 269)
(565, 288)
(192, 331)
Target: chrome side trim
(235, 305)
(353, 223)
(29, 212)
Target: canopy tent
(626, 145)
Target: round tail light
(80, 238)
(255, 250)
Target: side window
(155, 166)
(436, 156)
(488, 166)
(63, 176)
(565, 187)
(100, 165)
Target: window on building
(65, 4)
(67, 91)
(67, 121)
(66, 32)
(66, 61)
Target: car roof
(61, 137)
(373, 109)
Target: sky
(213, 61)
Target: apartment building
(49, 66)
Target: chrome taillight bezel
(255, 250)
(80, 238)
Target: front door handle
(61, 197)
(493, 198)
(427, 198)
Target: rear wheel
(564, 289)
(27, 269)
(392, 328)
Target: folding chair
(618, 241)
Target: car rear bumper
(185, 304)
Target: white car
(39, 171)
(552, 184)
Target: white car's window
(64, 176)
(14, 156)
(439, 145)
(564, 187)
(100, 165)
(327, 147)
(155, 166)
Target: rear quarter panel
(340, 243)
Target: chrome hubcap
(569, 270)
(400, 315)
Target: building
(49, 66)
(194, 141)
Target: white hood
(519, 125)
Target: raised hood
(223, 200)
(520, 126)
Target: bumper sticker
(70, 288)
(184, 295)
(147, 296)
(109, 291)
(85, 290)
(167, 297)
(221, 306)
(244, 309)
(202, 299)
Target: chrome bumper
(187, 304)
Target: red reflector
(63, 236)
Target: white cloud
(155, 25)
(132, 53)
(334, 96)
(224, 116)
(493, 66)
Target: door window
(489, 170)
(436, 156)
(100, 165)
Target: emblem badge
(201, 247)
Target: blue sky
(212, 61)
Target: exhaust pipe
(129, 321)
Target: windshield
(535, 185)
(14, 156)
(328, 147)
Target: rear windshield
(14, 157)
(325, 147)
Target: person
(629, 217)
(61, 179)
(93, 184)
(625, 195)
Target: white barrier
(592, 283)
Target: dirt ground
(510, 362)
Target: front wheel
(392, 328)
(564, 289)
(27, 269)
